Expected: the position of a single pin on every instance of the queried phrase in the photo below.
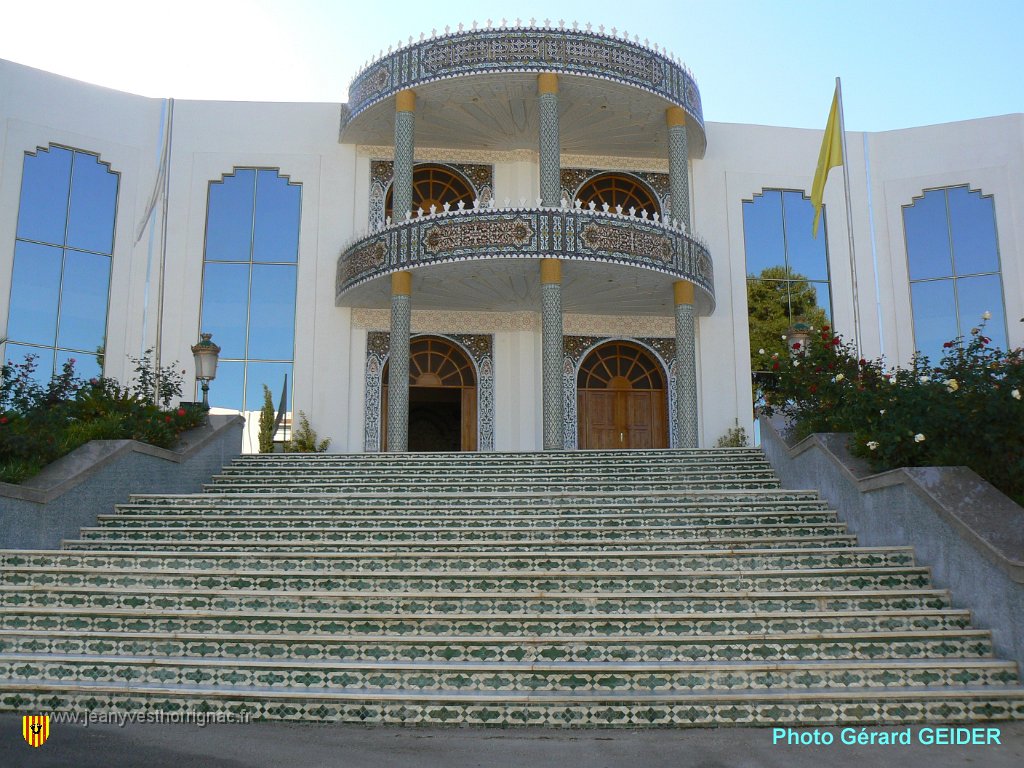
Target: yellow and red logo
(35, 729)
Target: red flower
(947, 344)
(3, 419)
(796, 345)
(775, 366)
(167, 419)
(824, 327)
(835, 341)
(813, 388)
(181, 411)
(985, 339)
(862, 361)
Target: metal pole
(849, 220)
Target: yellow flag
(830, 156)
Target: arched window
(249, 282)
(787, 268)
(434, 185)
(62, 253)
(619, 189)
(953, 262)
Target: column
(678, 166)
(398, 362)
(686, 366)
(550, 149)
(405, 125)
(552, 352)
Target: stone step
(443, 562)
(408, 520)
(302, 675)
(156, 531)
(631, 709)
(650, 625)
(782, 646)
(328, 484)
(519, 582)
(517, 458)
(467, 499)
(485, 475)
(223, 544)
(452, 604)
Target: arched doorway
(621, 398)
(442, 397)
(619, 189)
(434, 185)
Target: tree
(776, 299)
(267, 422)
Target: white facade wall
(210, 139)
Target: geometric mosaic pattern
(649, 588)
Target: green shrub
(304, 439)
(736, 437)
(967, 409)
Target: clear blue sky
(903, 62)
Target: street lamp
(799, 333)
(206, 355)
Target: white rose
(872, 444)
(1015, 394)
(918, 438)
(986, 315)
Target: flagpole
(849, 218)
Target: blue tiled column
(405, 126)
(686, 366)
(398, 362)
(552, 351)
(678, 166)
(550, 145)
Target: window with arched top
(249, 283)
(617, 189)
(953, 264)
(63, 249)
(434, 184)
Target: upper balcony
(477, 89)
(615, 262)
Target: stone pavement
(304, 745)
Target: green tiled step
(868, 706)
(324, 485)
(525, 459)
(786, 646)
(444, 562)
(473, 604)
(391, 520)
(298, 676)
(484, 477)
(650, 625)
(221, 544)
(470, 500)
(690, 582)
(341, 466)
(156, 532)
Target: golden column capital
(547, 82)
(550, 271)
(401, 283)
(405, 101)
(675, 116)
(683, 291)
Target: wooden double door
(621, 399)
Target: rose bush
(40, 423)
(964, 410)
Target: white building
(128, 222)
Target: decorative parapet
(573, 234)
(525, 49)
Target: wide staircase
(588, 588)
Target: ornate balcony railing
(525, 49)
(572, 234)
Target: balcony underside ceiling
(513, 285)
(498, 112)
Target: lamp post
(799, 333)
(206, 355)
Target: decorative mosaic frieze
(382, 173)
(480, 350)
(529, 49)
(535, 233)
(576, 350)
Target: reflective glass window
(953, 263)
(249, 283)
(60, 282)
(787, 268)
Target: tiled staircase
(587, 588)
